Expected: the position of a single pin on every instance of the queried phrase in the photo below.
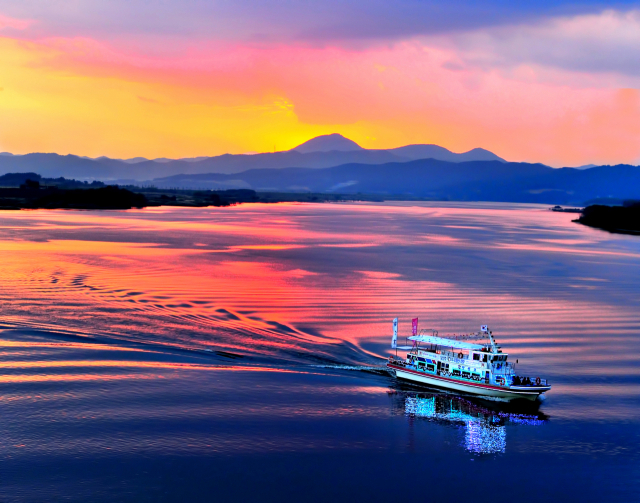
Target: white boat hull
(503, 392)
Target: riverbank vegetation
(36, 192)
(623, 219)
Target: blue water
(235, 354)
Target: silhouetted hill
(344, 151)
(620, 219)
(439, 180)
(415, 152)
(18, 179)
(328, 143)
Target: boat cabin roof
(450, 343)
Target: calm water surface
(234, 354)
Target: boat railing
(394, 360)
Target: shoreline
(614, 219)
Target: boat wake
(182, 318)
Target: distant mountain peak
(135, 160)
(426, 151)
(328, 143)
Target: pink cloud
(16, 24)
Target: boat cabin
(460, 358)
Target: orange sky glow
(125, 97)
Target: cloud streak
(608, 42)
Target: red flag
(414, 326)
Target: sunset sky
(543, 81)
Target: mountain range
(437, 180)
(334, 164)
(320, 152)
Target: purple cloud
(328, 21)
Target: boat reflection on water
(485, 426)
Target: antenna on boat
(494, 346)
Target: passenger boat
(470, 363)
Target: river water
(231, 354)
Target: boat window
(430, 368)
(476, 356)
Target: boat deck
(530, 392)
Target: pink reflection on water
(52, 364)
(303, 279)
